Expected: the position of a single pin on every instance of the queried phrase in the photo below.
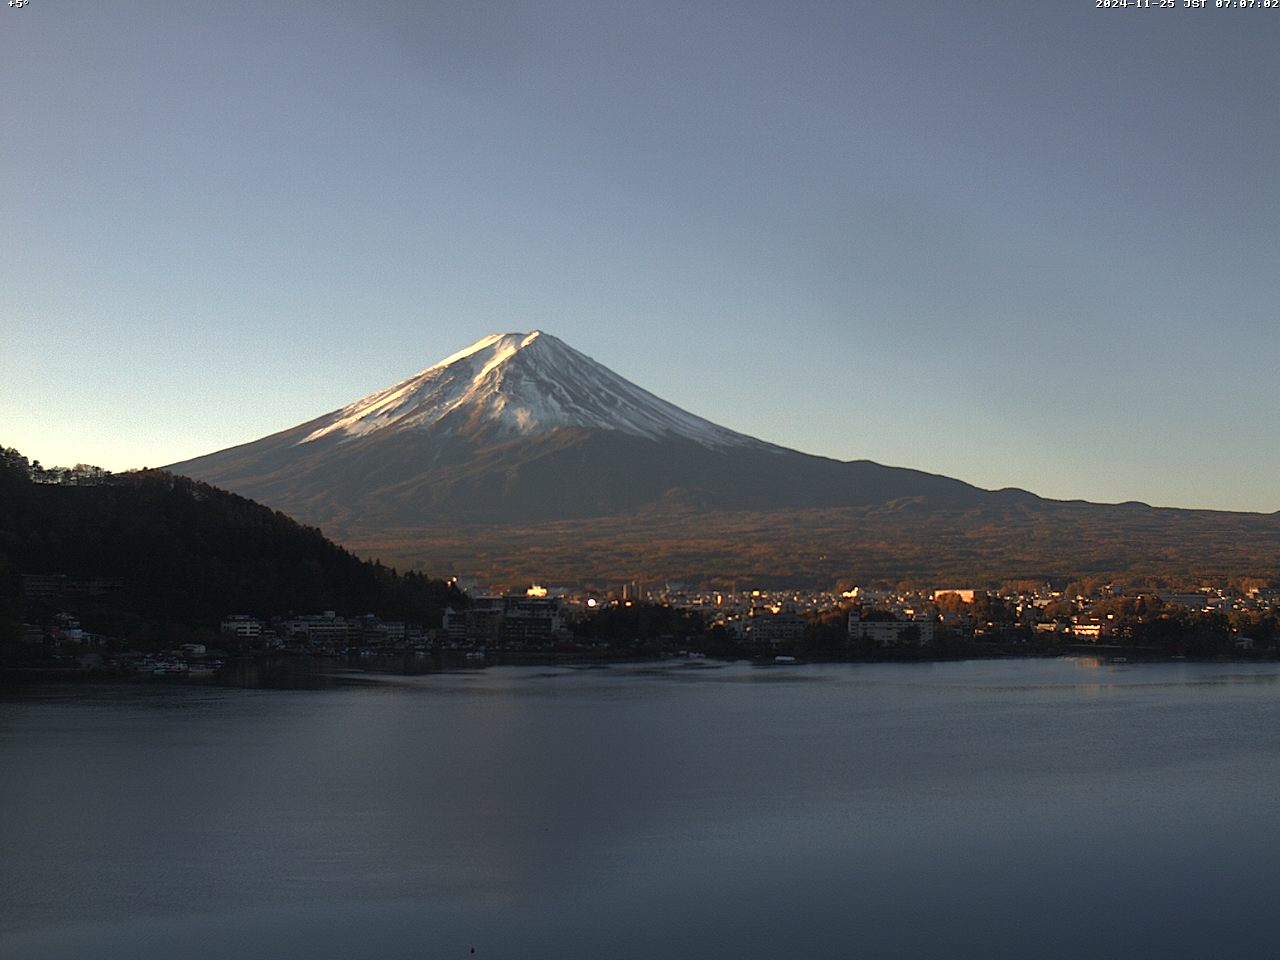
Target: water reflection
(984, 809)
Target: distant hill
(177, 551)
(521, 458)
(907, 541)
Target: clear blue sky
(1022, 244)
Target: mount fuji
(522, 427)
(520, 456)
(518, 385)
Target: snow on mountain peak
(520, 384)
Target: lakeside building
(241, 627)
(767, 627)
(321, 629)
(1200, 600)
(1093, 629)
(891, 633)
(532, 621)
(511, 621)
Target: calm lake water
(1037, 808)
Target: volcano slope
(521, 458)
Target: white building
(892, 633)
(242, 627)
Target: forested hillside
(163, 549)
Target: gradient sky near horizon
(1027, 245)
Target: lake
(1007, 808)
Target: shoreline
(304, 671)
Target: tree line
(184, 553)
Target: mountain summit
(520, 427)
(517, 384)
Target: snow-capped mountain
(520, 428)
(519, 456)
(516, 384)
